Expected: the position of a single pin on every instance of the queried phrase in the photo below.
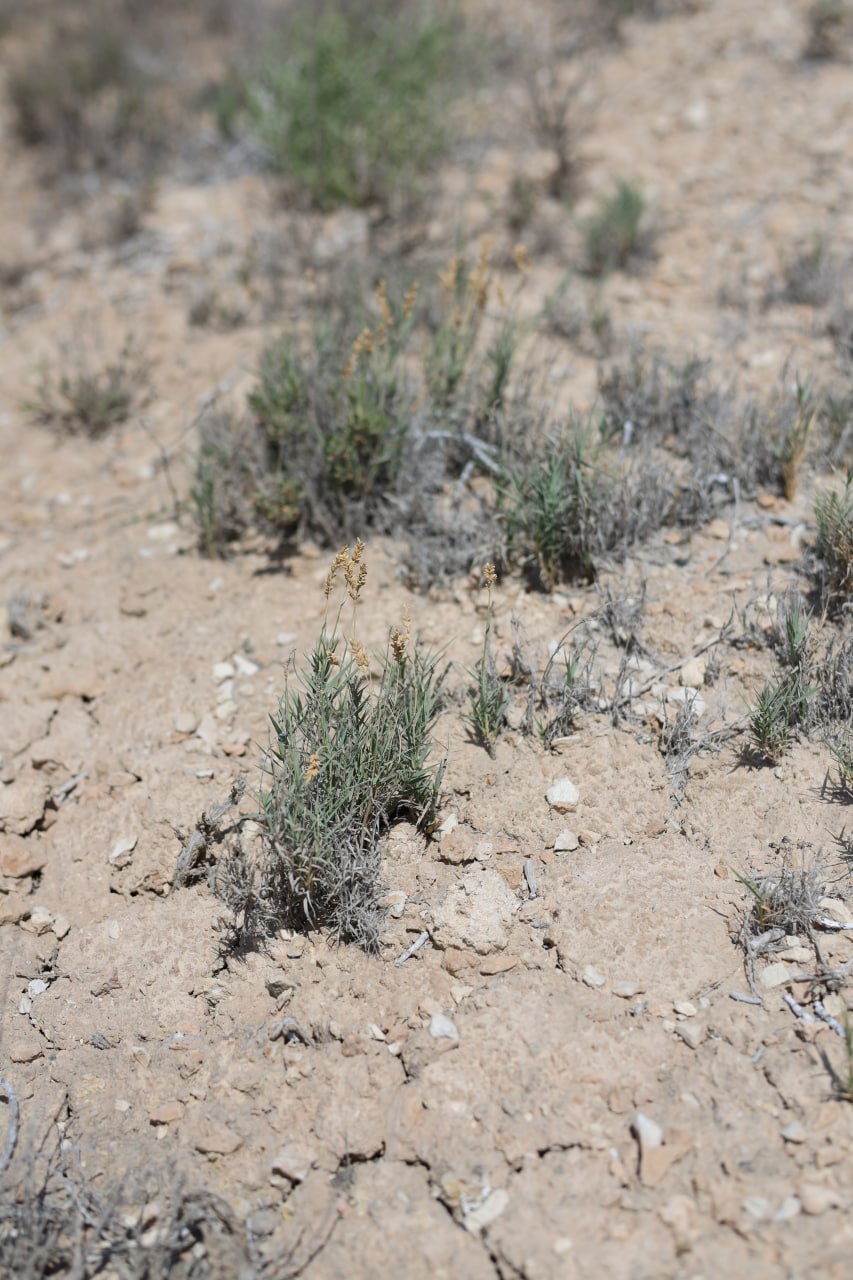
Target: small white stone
(788, 1209)
(592, 978)
(692, 674)
(836, 910)
(775, 975)
(244, 666)
(794, 1132)
(40, 921)
(122, 1104)
(222, 671)
(626, 989)
(37, 987)
(25, 1005)
(123, 846)
(757, 1207)
(563, 795)
(566, 842)
(491, 1208)
(442, 1028)
(60, 926)
(686, 1008)
(692, 1033)
(185, 722)
(284, 638)
(451, 822)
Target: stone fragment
(627, 988)
(589, 838)
(475, 913)
(21, 856)
(122, 849)
(61, 926)
(222, 671)
(692, 674)
(497, 964)
(456, 960)
(686, 1008)
(40, 921)
(775, 975)
(24, 1051)
(166, 1112)
(794, 1132)
(442, 1028)
(836, 910)
(692, 1033)
(211, 1137)
(23, 802)
(185, 722)
(294, 1161)
(817, 1199)
(592, 978)
(493, 1206)
(566, 842)
(563, 795)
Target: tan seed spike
(490, 576)
(313, 768)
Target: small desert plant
(787, 899)
(810, 274)
(549, 501)
(842, 754)
(554, 108)
(83, 98)
(85, 400)
(792, 438)
(558, 692)
(347, 760)
(834, 516)
(351, 104)
(220, 493)
(487, 696)
(772, 719)
(617, 234)
(826, 22)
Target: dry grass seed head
(360, 654)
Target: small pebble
(592, 978)
(566, 842)
(817, 1199)
(686, 1008)
(442, 1028)
(692, 1033)
(775, 975)
(589, 838)
(794, 1132)
(486, 1213)
(37, 987)
(649, 1134)
(626, 990)
(60, 926)
(222, 671)
(185, 722)
(563, 795)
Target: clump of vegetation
(810, 274)
(338, 426)
(488, 698)
(792, 438)
(556, 693)
(834, 516)
(84, 400)
(83, 98)
(618, 235)
(784, 706)
(787, 899)
(827, 21)
(351, 102)
(349, 757)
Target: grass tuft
(618, 235)
(348, 758)
(487, 697)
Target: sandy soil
(365, 1144)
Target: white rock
(294, 1161)
(686, 1008)
(566, 842)
(491, 1208)
(37, 987)
(836, 910)
(592, 978)
(244, 666)
(788, 1209)
(757, 1207)
(40, 921)
(692, 1033)
(61, 926)
(775, 975)
(817, 1199)
(649, 1133)
(692, 674)
(285, 637)
(122, 847)
(476, 912)
(185, 722)
(451, 822)
(563, 795)
(442, 1028)
(795, 1132)
(626, 989)
(222, 671)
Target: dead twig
(420, 941)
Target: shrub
(83, 98)
(834, 515)
(827, 20)
(347, 760)
(350, 106)
(487, 696)
(82, 400)
(617, 235)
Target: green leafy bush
(618, 235)
(351, 104)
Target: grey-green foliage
(351, 102)
(834, 516)
(618, 233)
(345, 762)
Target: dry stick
(797, 1009)
(825, 1016)
(420, 941)
(12, 1131)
